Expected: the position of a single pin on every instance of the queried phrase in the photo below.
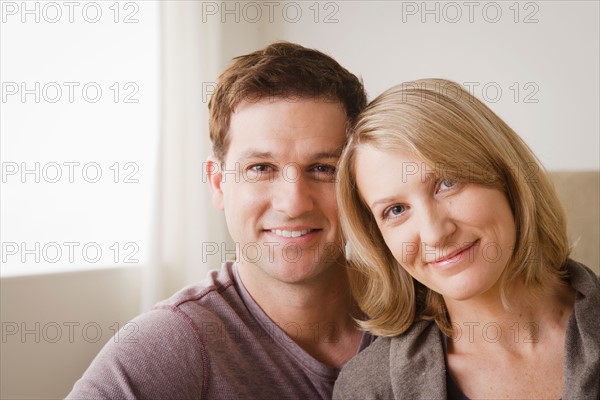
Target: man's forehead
(282, 130)
(285, 114)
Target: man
(276, 323)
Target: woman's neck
(530, 315)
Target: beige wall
(54, 324)
(580, 195)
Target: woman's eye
(394, 211)
(447, 184)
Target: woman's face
(455, 238)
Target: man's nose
(292, 193)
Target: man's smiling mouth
(291, 233)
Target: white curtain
(195, 47)
(184, 217)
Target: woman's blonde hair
(460, 139)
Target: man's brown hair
(281, 70)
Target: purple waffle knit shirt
(208, 341)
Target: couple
(444, 235)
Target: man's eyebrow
(336, 153)
(251, 153)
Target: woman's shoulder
(378, 353)
(369, 374)
(583, 279)
(582, 344)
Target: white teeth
(284, 233)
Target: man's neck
(320, 311)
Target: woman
(459, 258)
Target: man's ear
(214, 174)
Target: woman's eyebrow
(385, 200)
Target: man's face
(276, 187)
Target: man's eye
(325, 169)
(260, 168)
(324, 172)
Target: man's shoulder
(158, 354)
(218, 286)
(215, 309)
(163, 352)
